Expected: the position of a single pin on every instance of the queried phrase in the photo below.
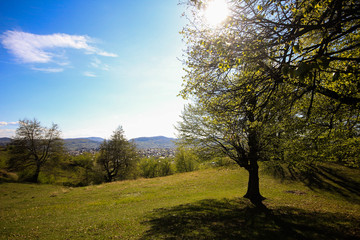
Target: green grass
(206, 204)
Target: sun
(216, 12)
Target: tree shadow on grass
(333, 178)
(239, 219)
(328, 178)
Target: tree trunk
(35, 177)
(109, 177)
(253, 191)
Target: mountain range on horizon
(74, 144)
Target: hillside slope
(205, 204)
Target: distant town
(147, 152)
(157, 147)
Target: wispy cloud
(49, 70)
(89, 74)
(96, 63)
(106, 54)
(33, 48)
(8, 123)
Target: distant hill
(154, 142)
(71, 144)
(4, 141)
(75, 144)
(96, 139)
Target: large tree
(34, 145)
(239, 126)
(272, 61)
(117, 156)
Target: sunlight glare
(216, 12)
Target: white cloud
(8, 123)
(33, 48)
(89, 74)
(106, 54)
(49, 70)
(7, 133)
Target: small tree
(34, 145)
(117, 156)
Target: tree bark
(253, 191)
(109, 177)
(35, 177)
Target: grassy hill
(206, 204)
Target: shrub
(155, 167)
(186, 160)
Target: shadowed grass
(238, 219)
(335, 179)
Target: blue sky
(90, 66)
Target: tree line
(37, 154)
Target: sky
(91, 66)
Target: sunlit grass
(121, 210)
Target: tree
(117, 156)
(272, 62)
(237, 135)
(235, 112)
(34, 145)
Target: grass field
(206, 204)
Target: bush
(4, 157)
(25, 175)
(152, 167)
(6, 176)
(217, 162)
(186, 160)
(46, 178)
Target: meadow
(205, 204)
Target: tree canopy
(312, 46)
